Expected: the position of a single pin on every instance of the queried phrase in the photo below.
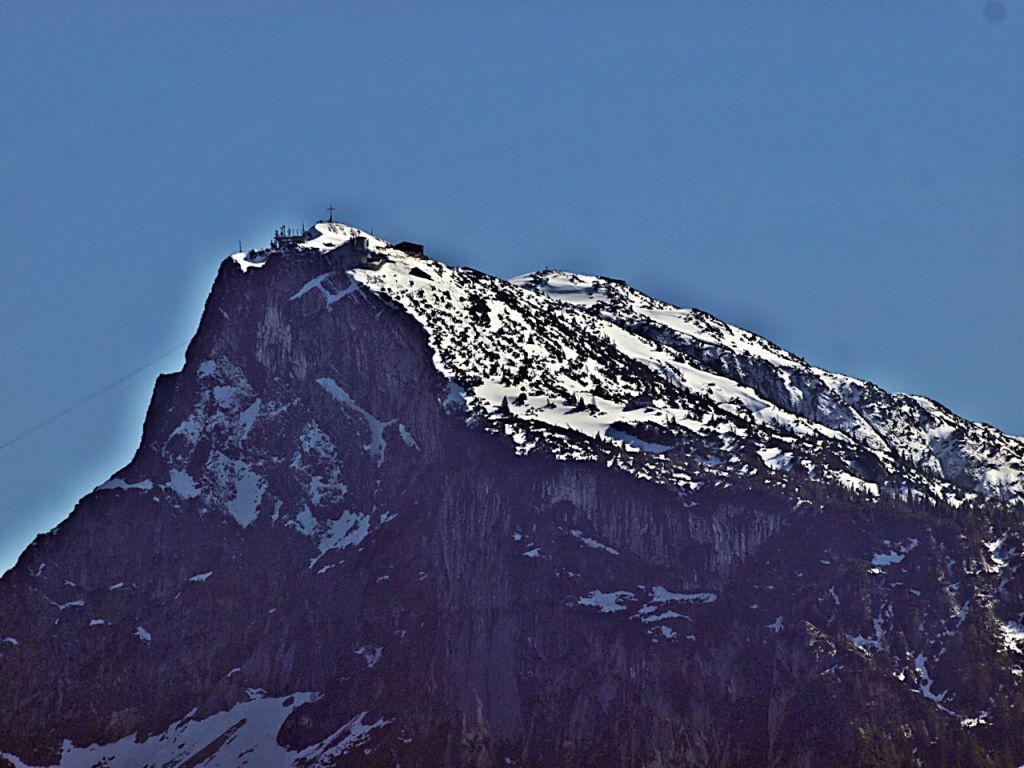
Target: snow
(776, 626)
(246, 734)
(79, 603)
(608, 602)
(245, 263)
(371, 655)
(999, 554)
(304, 522)
(181, 483)
(847, 407)
(535, 552)
(775, 458)
(188, 428)
(200, 577)
(354, 733)
(1011, 634)
(328, 235)
(592, 543)
(542, 331)
(226, 396)
(926, 682)
(887, 558)
(235, 486)
(454, 399)
(377, 443)
(317, 283)
(856, 484)
(973, 722)
(96, 622)
(893, 556)
(407, 437)
(249, 489)
(112, 587)
(314, 283)
(347, 530)
(874, 643)
(225, 413)
(10, 641)
(248, 417)
(142, 634)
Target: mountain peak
(397, 512)
(322, 237)
(328, 235)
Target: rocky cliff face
(396, 513)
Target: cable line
(90, 397)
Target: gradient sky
(845, 177)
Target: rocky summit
(397, 513)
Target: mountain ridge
(391, 512)
(701, 333)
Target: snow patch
(894, 556)
(244, 734)
(181, 483)
(1011, 634)
(592, 543)
(608, 602)
(245, 262)
(920, 664)
(376, 427)
(348, 530)
(235, 485)
(371, 655)
(775, 458)
(317, 283)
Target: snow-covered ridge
(905, 428)
(589, 368)
(327, 235)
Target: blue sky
(845, 177)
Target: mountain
(393, 512)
